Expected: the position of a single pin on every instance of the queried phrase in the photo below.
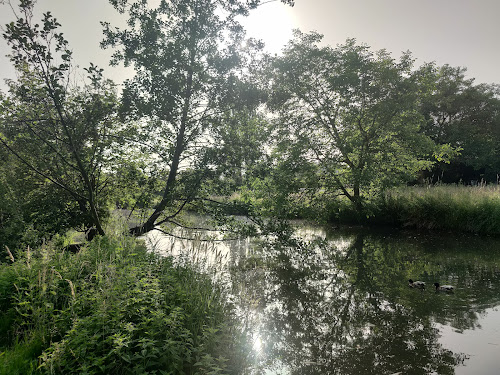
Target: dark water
(338, 302)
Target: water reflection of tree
(471, 264)
(330, 312)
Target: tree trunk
(172, 175)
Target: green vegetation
(457, 208)
(445, 207)
(465, 116)
(207, 114)
(207, 123)
(112, 308)
(60, 135)
(348, 117)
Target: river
(337, 301)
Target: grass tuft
(112, 308)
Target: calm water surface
(338, 302)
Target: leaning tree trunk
(172, 175)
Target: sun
(272, 22)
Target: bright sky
(457, 32)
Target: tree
(349, 115)
(467, 116)
(58, 130)
(239, 153)
(188, 64)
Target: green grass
(113, 308)
(446, 207)
(21, 358)
(455, 208)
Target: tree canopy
(58, 129)
(349, 114)
(188, 63)
(207, 115)
(467, 116)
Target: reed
(445, 207)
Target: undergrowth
(113, 308)
(457, 208)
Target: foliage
(135, 185)
(11, 220)
(348, 118)
(113, 308)
(466, 116)
(239, 151)
(445, 207)
(59, 131)
(31, 210)
(188, 65)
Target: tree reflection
(322, 310)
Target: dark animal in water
(416, 284)
(444, 288)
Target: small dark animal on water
(444, 288)
(416, 284)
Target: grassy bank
(455, 208)
(113, 308)
(445, 207)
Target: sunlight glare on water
(342, 305)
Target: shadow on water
(338, 302)
(341, 304)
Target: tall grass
(445, 207)
(113, 308)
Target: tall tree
(188, 61)
(466, 116)
(57, 129)
(348, 114)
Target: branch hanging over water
(194, 239)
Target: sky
(462, 33)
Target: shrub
(113, 308)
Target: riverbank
(445, 207)
(112, 308)
(454, 208)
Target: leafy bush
(113, 308)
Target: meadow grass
(112, 308)
(445, 207)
